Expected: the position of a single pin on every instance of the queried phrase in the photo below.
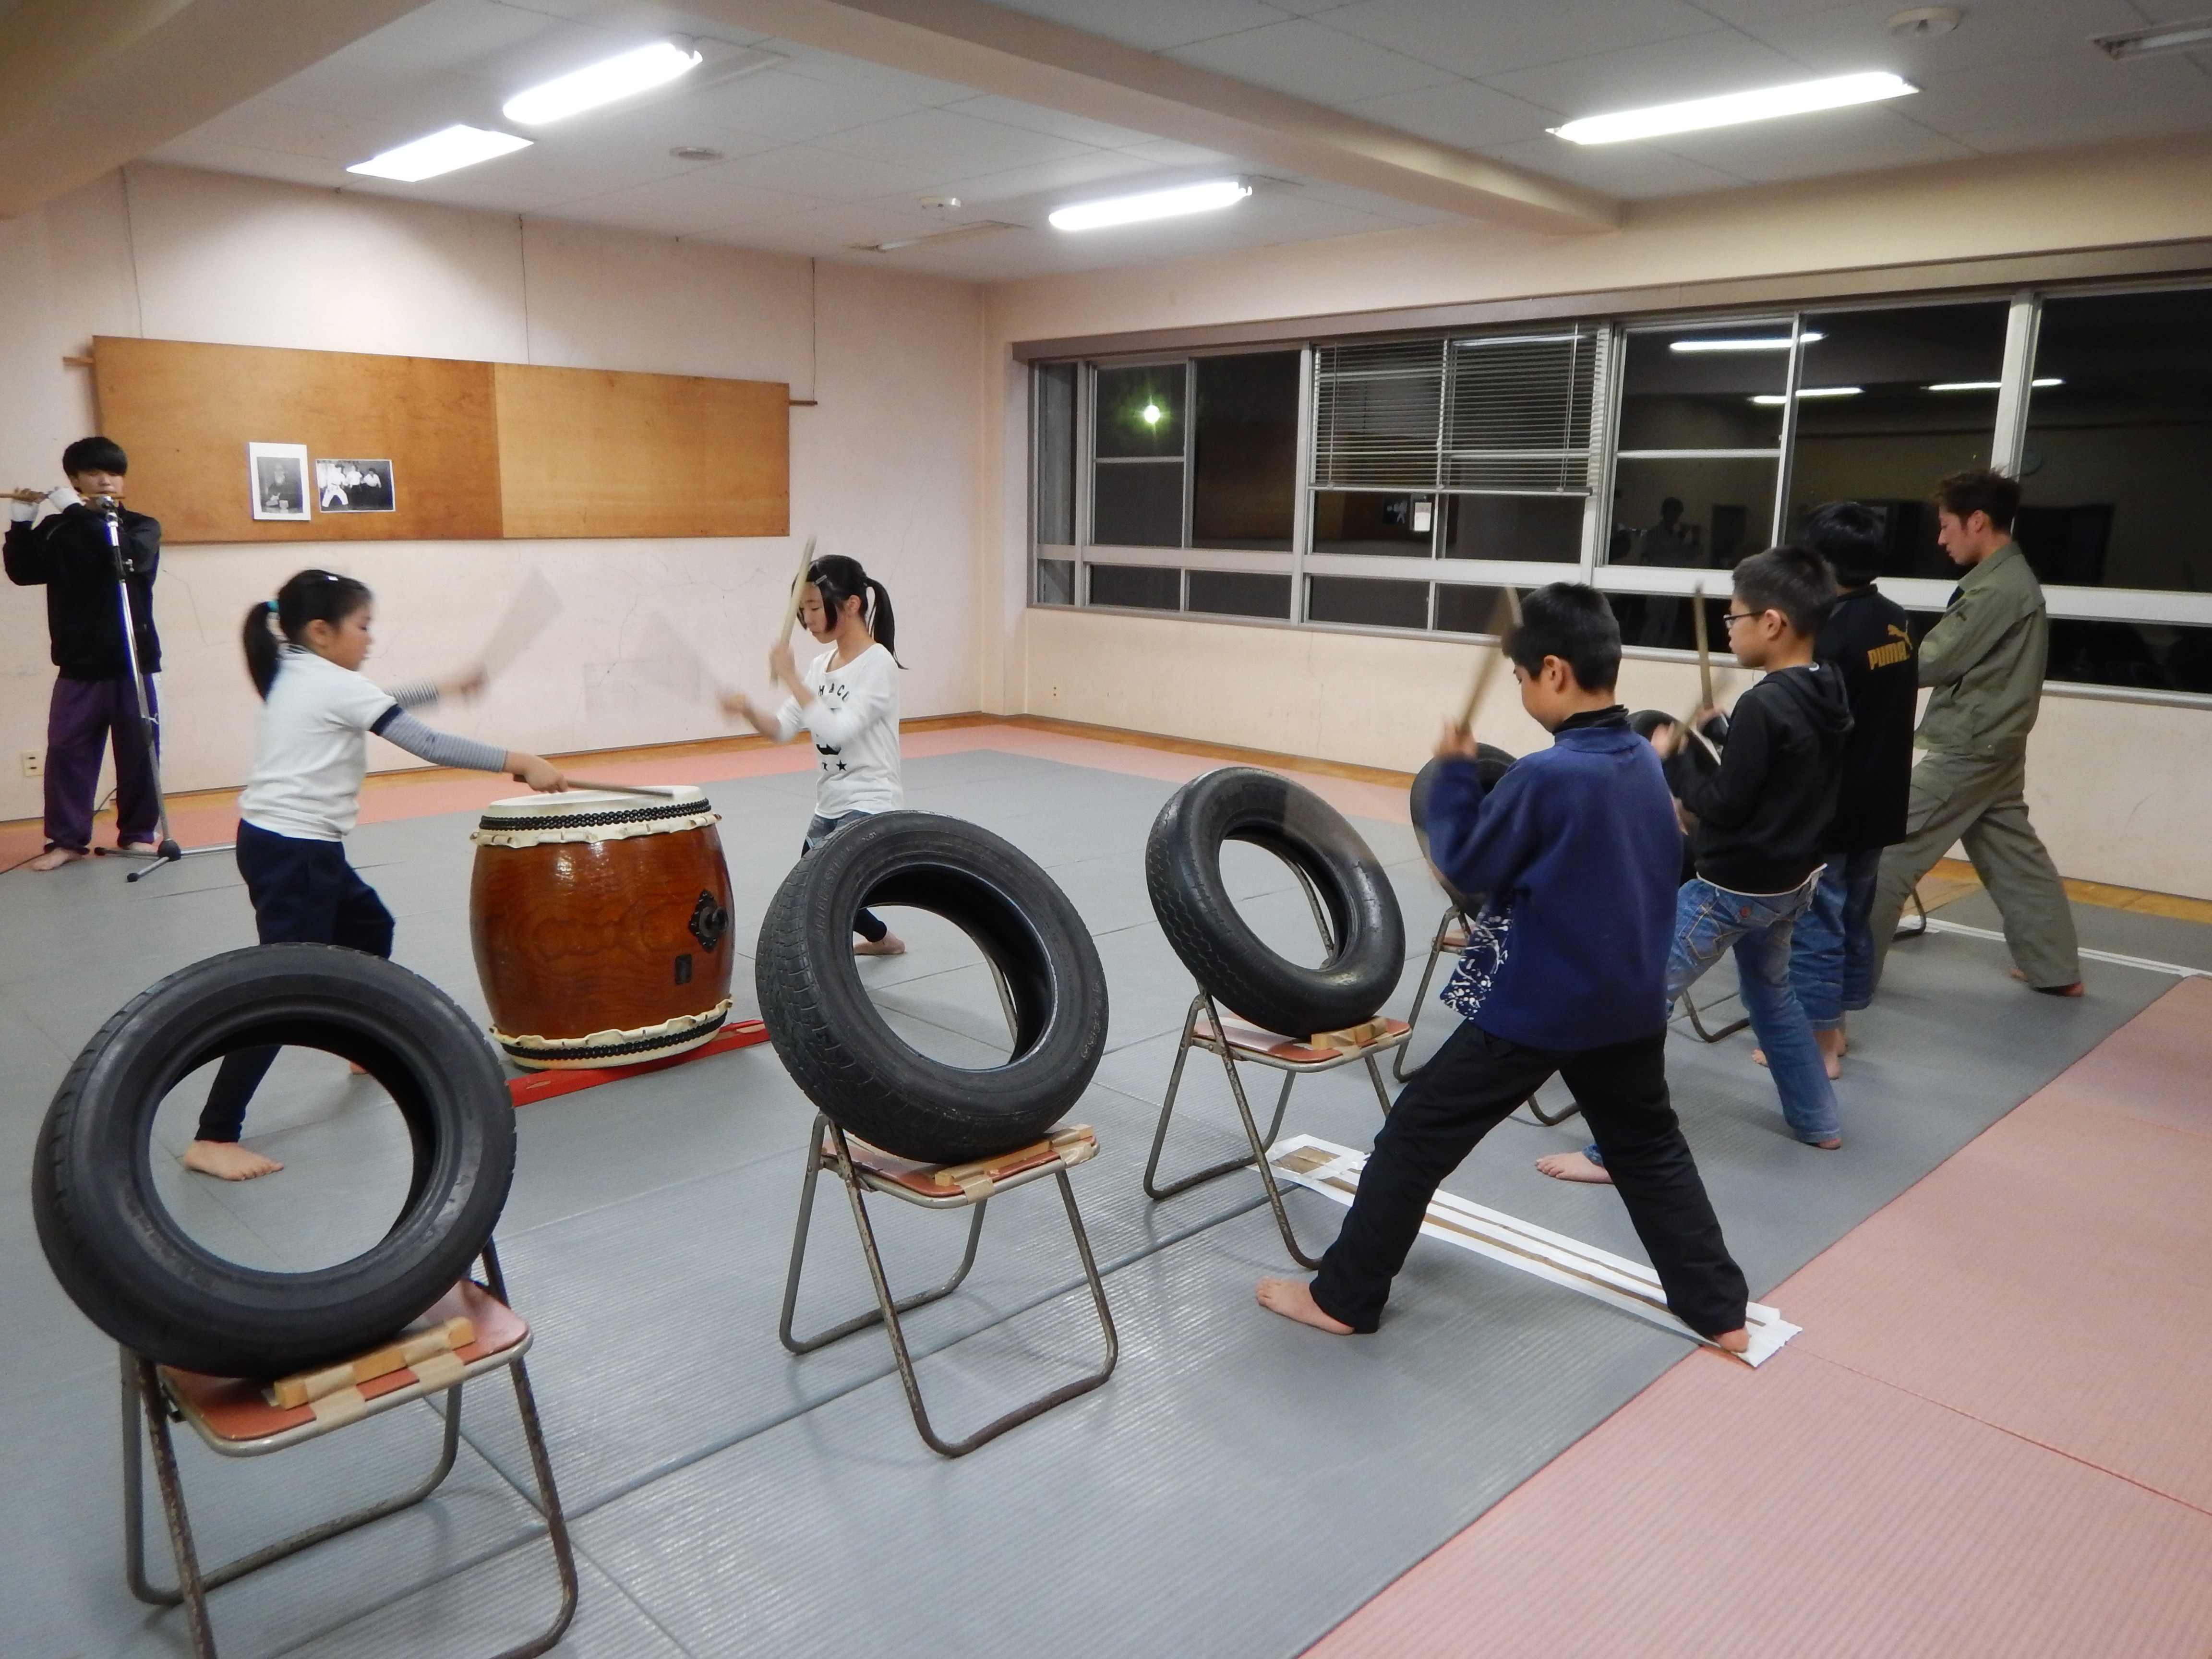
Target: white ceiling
(825, 151)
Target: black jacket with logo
(67, 553)
(1866, 641)
(1763, 814)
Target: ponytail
(311, 596)
(838, 578)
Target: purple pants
(83, 713)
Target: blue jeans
(868, 925)
(1831, 952)
(1709, 920)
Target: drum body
(600, 923)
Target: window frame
(2025, 303)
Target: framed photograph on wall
(355, 487)
(276, 476)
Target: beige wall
(885, 469)
(2122, 791)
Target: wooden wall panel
(590, 452)
(185, 412)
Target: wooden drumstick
(622, 788)
(797, 589)
(1705, 648)
(1504, 618)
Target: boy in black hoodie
(1762, 819)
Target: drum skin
(602, 938)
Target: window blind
(1506, 413)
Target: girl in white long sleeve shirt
(847, 700)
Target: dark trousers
(79, 721)
(304, 892)
(868, 925)
(1473, 1083)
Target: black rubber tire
(1644, 721)
(1183, 873)
(123, 1259)
(1491, 763)
(841, 1052)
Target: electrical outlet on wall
(34, 761)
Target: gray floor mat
(729, 1491)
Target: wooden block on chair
(1351, 1038)
(419, 1343)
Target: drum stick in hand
(1504, 618)
(622, 788)
(797, 589)
(1705, 648)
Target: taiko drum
(600, 922)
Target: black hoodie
(1763, 814)
(67, 552)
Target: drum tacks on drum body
(600, 926)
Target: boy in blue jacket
(1578, 849)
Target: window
(1137, 480)
(1244, 463)
(1891, 401)
(2120, 442)
(1375, 604)
(1240, 593)
(1143, 587)
(1395, 482)
(1701, 422)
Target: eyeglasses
(1728, 619)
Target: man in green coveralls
(1985, 660)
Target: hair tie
(271, 606)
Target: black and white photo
(354, 486)
(277, 474)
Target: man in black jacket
(67, 553)
(1866, 640)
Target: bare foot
(1735, 1341)
(1831, 1060)
(1293, 1299)
(54, 857)
(354, 1068)
(227, 1160)
(1573, 1166)
(891, 945)
(1835, 1146)
(2073, 990)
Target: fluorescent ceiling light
(1151, 204)
(441, 152)
(623, 77)
(2158, 37)
(1765, 343)
(1734, 108)
(1987, 385)
(1811, 392)
(936, 238)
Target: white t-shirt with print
(854, 721)
(311, 748)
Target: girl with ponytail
(304, 650)
(847, 698)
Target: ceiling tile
(1173, 153)
(788, 107)
(1623, 170)
(222, 155)
(921, 91)
(1153, 25)
(1012, 113)
(1307, 60)
(1670, 72)
(938, 140)
(1833, 141)
(804, 170)
(2162, 94)
(1049, 184)
(1481, 40)
(1845, 39)
(1459, 112)
(688, 204)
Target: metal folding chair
(1203, 1027)
(236, 1418)
(863, 1169)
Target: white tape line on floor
(1332, 1171)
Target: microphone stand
(165, 850)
